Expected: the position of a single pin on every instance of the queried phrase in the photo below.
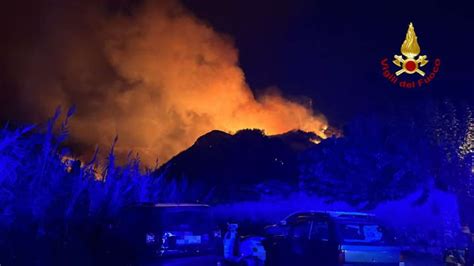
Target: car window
(310, 229)
(320, 230)
(184, 218)
(301, 229)
(359, 232)
(297, 218)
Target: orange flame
(158, 79)
(410, 47)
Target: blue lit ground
(204, 260)
(418, 260)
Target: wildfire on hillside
(154, 75)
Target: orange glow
(158, 79)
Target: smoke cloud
(149, 72)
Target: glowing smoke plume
(153, 74)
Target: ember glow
(154, 75)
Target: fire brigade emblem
(408, 61)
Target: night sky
(331, 51)
(160, 74)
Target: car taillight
(150, 238)
(165, 240)
(402, 259)
(342, 257)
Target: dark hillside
(229, 166)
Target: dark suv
(330, 238)
(161, 234)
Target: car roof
(350, 215)
(334, 214)
(169, 205)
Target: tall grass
(51, 205)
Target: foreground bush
(51, 206)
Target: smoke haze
(149, 72)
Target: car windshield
(183, 218)
(168, 218)
(355, 232)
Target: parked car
(330, 238)
(455, 257)
(162, 234)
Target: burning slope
(150, 72)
